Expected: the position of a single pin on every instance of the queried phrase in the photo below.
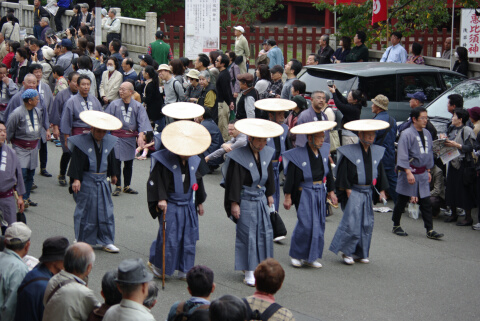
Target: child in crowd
(60, 81)
(148, 148)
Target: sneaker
(34, 187)
(110, 248)
(476, 227)
(348, 259)
(30, 202)
(62, 180)
(313, 264)
(434, 235)
(364, 261)
(278, 239)
(296, 263)
(117, 191)
(156, 272)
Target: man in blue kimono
(359, 170)
(24, 130)
(276, 109)
(55, 118)
(249, 188)
(313, 113)
(308, 180)
(12, 181)
(175, 192)
(135, 122)
(93, 160)
(414, 162)
(386, 138)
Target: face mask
(110, 68)
(456, 55)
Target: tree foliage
(234, 12)
(137, 9)
(409, 15)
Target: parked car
(390, 79)
(437, 109)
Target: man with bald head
(135, 124)
(67, 296)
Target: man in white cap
(175, 192)
(93, 160)
(132, 281)
(12, 180)
(241, 47)
(249, 187)
(24, 130)
(135, 124)
(173, 88)
(309, 181)
(358, 169)
(12, 267)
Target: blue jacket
(389, 140)
(31, 296)
(133, 76)
(64, 3)
(276, 57)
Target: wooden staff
(164, 227)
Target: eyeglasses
(422, 118)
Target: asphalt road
(408, 278)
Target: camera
(330, 83)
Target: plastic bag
(413, 210)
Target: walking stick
(164, 226)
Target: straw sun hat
(260, 128)
(186, 138)
(101, 120)
(183, 110)
(313, 127)
(275, 104)
(366, 125)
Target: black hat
(147, 58)
(133, 271)
(54, 249)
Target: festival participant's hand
(76, 186)
(235, 210)
(200, 210)
(162, 205)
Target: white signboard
(202, 27)
(470, 33)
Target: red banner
(380, 11)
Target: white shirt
(395, 54)
(113, 26)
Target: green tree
(410, 15)
(137, 9)
(246, 11)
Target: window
(451, 79)
(412, 83)
(380, 85)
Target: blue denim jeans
(28, 181)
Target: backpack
(186, 308)
(266, 315)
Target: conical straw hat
(101, 120)
(366, 125)
(260, 128)
(186, 138)
(313, 127)
(275, 104)
(183, 110)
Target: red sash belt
(417, 170)
(6, 194)
(25, 144)
(3, 107)
(122, 133)
(80, 130)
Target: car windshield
(469, 90)
(317, 80)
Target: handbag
(278, 226)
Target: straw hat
(313, 127)
(275, 104)
(381, 101)
(183, 110)
(260, 128)
(366, 125)
(100, 120)
(186, 138)
(193, 73)
(164, 67)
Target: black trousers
(43, 155)
(58, 18)
(425, 209)
(127, 172)
(64, 162)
